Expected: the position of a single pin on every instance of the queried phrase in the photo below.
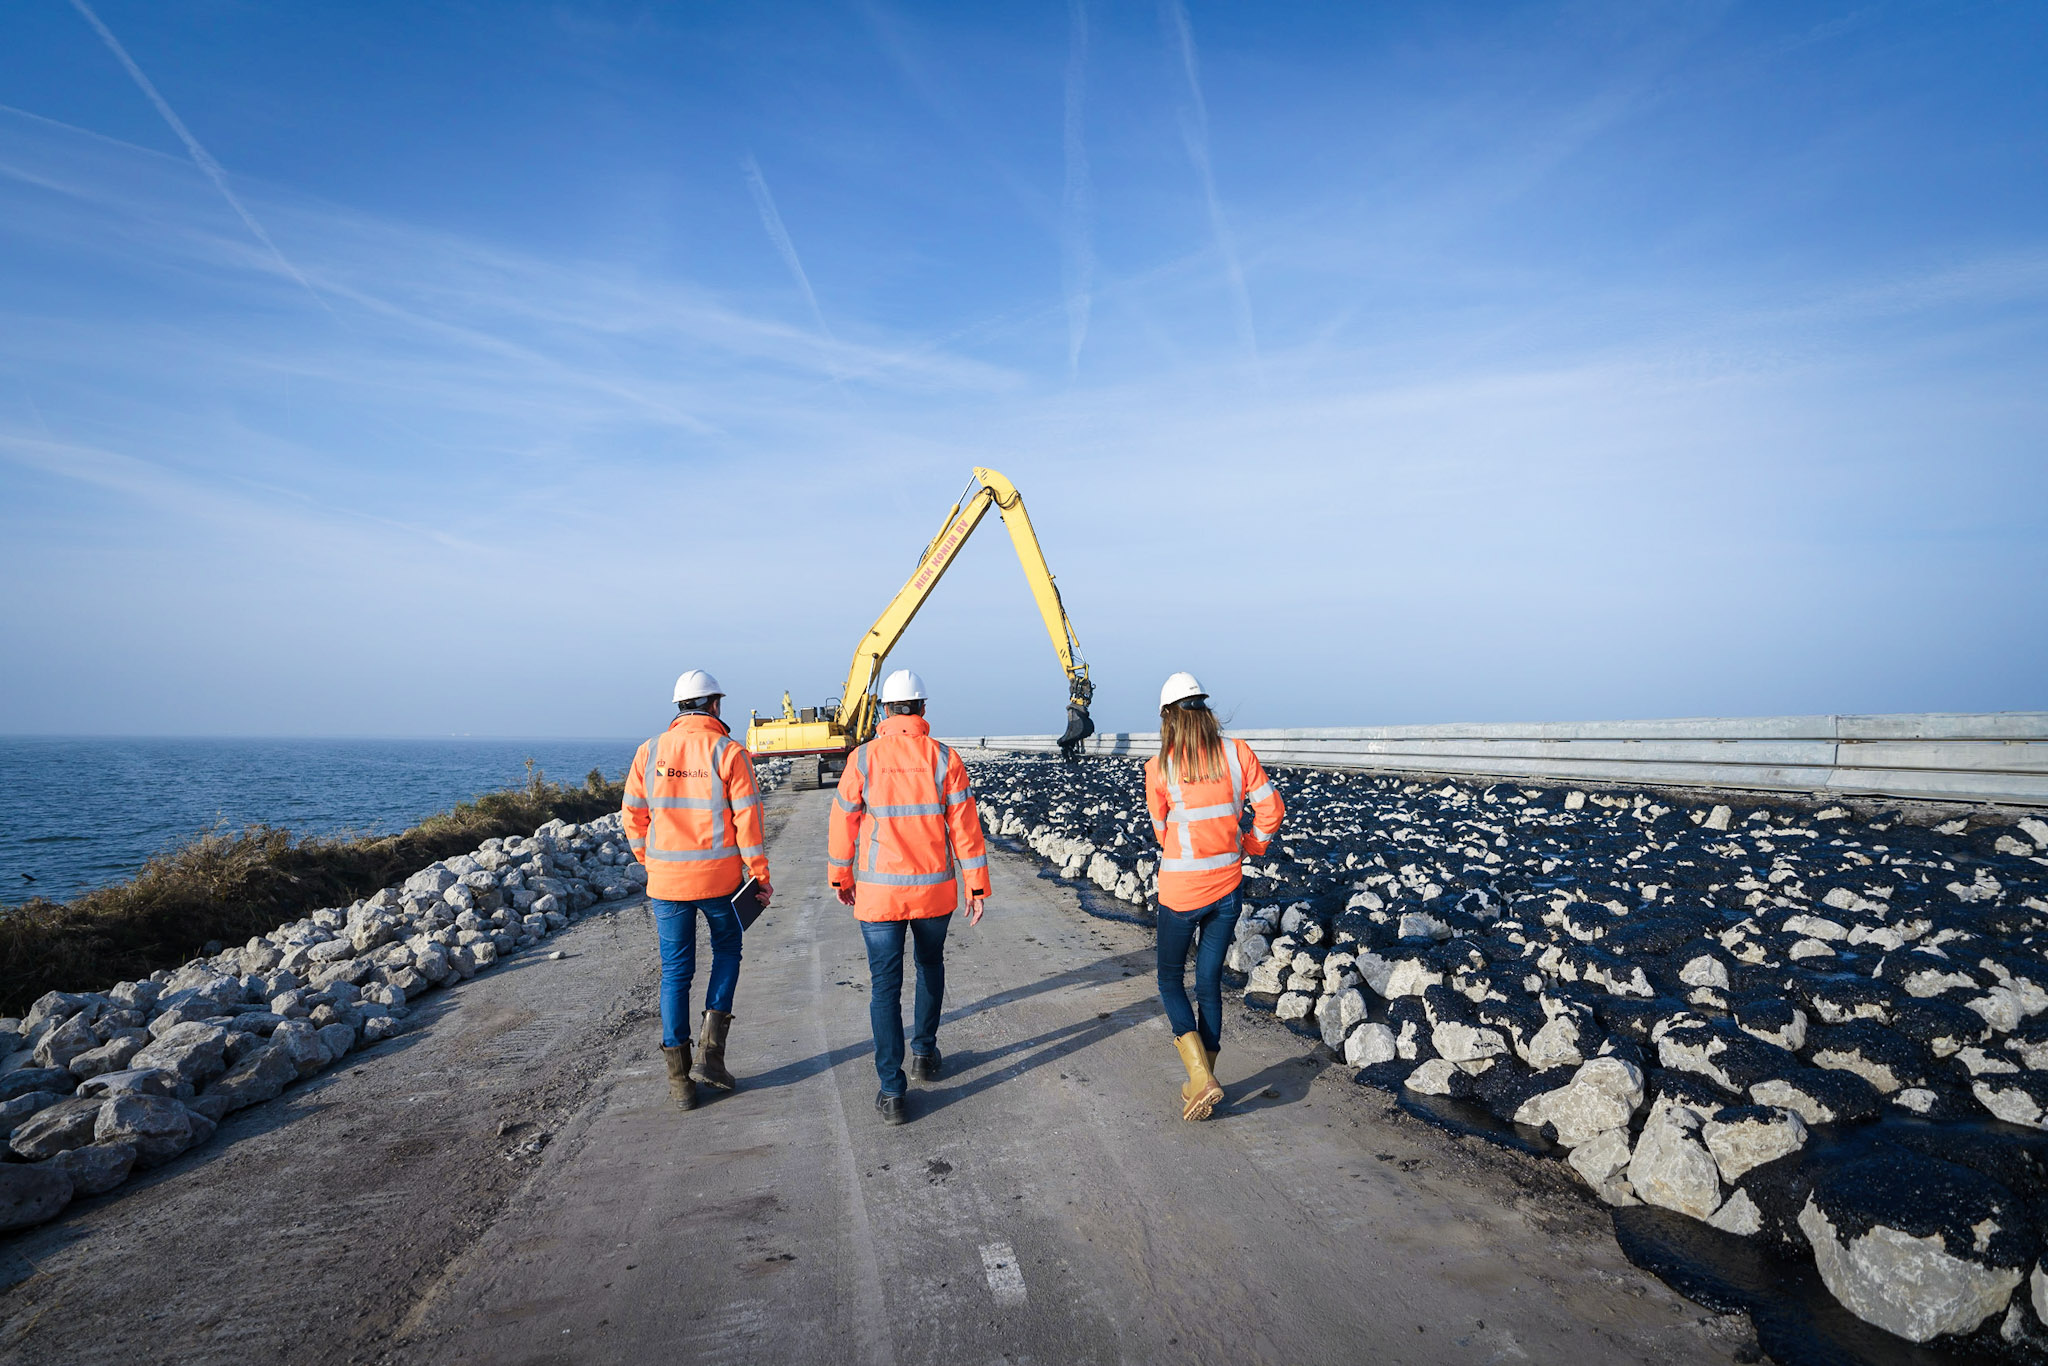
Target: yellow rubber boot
(1201, 1094)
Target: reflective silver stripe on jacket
(978, 861)
(719, 804)
(1196, 865)
(871, 830)
(1174, 816)
(851, 808)
(1184, 816)
(719, 796)
(903, 879)
(1263, 791)
(640, 843)
(865, 872)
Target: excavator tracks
(803, 774)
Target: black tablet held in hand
(747, 902)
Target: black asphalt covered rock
(1860, 969)
(1917, 1245)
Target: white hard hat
(696, 683)
(903, 686)
(1179, 688)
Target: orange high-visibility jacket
(1196, 824)
(903, 822)
(692, 812)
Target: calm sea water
(78, 814)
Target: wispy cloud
(1077, 208)
(1194, 132)
(771, 219)
(283, 512)
(202, 158)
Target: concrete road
(1045, 1204)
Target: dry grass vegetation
(229, 887)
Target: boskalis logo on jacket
(672, 772)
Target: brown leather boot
(681, 1089)
(1201, 1094)
(711, 1056)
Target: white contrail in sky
(1077, 209)
(200, 156)
(1194, 132)
(771, 219)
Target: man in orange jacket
(693, 817)
(905, 834)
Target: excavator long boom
(989, 489)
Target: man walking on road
(905, 832)
(693, 817)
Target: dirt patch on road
(311, 1227)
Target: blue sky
(475, 368)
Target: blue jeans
(676, 923)
(1211, 928)
(885, 991)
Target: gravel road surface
(508, 1184)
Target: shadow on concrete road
(1109, 969)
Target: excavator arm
(989, 489)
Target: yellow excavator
(819, 739)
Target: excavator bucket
(1080, 726)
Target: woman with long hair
(1196, 790)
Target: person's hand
(763, 891)
(845, 895)
(974, 909)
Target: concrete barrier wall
(1941, 756)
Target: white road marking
(1005, 1277)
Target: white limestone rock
(1458, 1042)
(1671, 1168)
(1338, 1013)
(158, 1127)
(1266, 978)
(1745, 1137)
(65, 1042)
(1906, 1285)
(95, 1168)
(1432, 1078)
(1370, 1044)
(1603, 1162)
(55, 1129)
(1739, 1215)
(193, 1051)
(31, 1195)
(1603, 1095)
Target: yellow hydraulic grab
(830, 732)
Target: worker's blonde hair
(1191, 743)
